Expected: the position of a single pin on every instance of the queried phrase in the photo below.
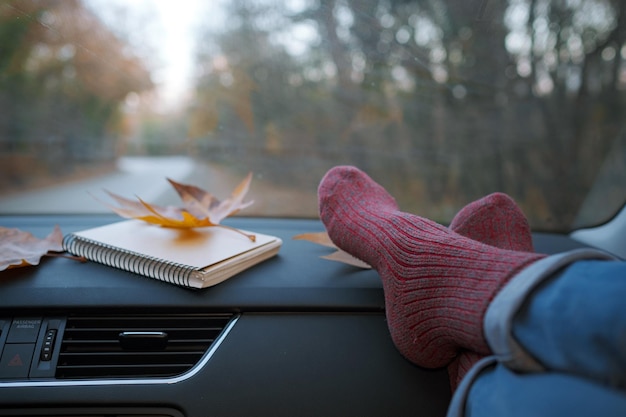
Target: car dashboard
(293, 336)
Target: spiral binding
(137, 263)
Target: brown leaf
(141, 210)
(201, 203)
(19, 248)
(322, 238)
(200, 208)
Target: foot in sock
(437, 283)
(497, 221)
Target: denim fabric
(504, 307)
(565, 316)
(501, 392)
(459, 399)
(576, 322)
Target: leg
(498, 391)
(576, 321)
(497, 221)
(437, 283)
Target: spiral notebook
(195, 258)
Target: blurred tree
(571, 66)
(441, 101)
(252, 94)
(63, 77)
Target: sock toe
(495, 220)
(346, 194)
(351, 185)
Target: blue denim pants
(558, 333)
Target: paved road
(140, 176)
(146, 177)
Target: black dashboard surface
(310, 336)
(296, 279)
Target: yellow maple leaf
(200, 208)
(19, 248)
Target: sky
(163, 30)
(176, 43)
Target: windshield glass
(442, 102)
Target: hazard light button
(15, 360)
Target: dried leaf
(344, 257)
(19, 248)
(322, 238)
(201, 203)
(200, 208)
(141, 210)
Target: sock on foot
(437, 283)
(497, 221)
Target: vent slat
(91, 345)
(134, 358)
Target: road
(145, 177)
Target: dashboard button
(48, 344)
(15, 361)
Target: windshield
(442, 102)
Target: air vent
(136, 346)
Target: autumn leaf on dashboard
(19, 248)
(200, 208)
(322, 238)
(201, 203)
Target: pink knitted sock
(437, 283)
(495, 220)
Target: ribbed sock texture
(437, 283)
(497, 221)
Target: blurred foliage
(440, 101)
(63, 76)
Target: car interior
(442, 102)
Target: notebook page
(198, 247)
